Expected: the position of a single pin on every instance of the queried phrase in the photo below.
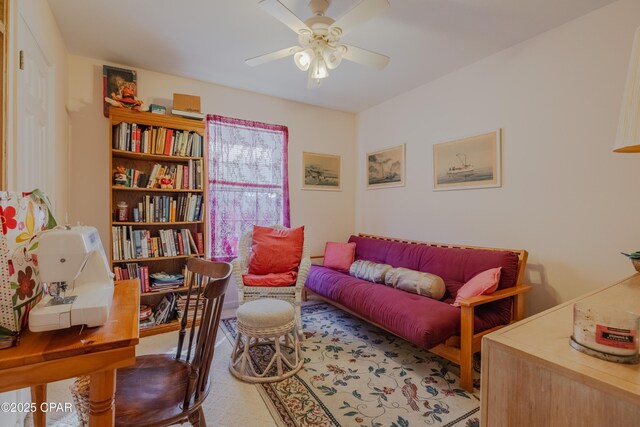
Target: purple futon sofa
(425, 322)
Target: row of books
(155, 282)
(183, 207)
(133, 270)
(139, 244)
(156, 140)
(180, 177)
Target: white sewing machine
(74, 269)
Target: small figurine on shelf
(120, 176)
(125, 97)
(166, 181)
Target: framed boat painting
(385, 168)
(473, 162)
(321, 171)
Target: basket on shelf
(636, 264)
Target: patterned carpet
(355, 374)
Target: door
(34, 152)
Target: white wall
(566, 197)
(327, 215)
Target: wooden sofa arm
(497, 295)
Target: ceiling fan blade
(282, 53)
(365, 57)
(284, 15)
(362, 12)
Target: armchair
(292, 294)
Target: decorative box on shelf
(157, 109)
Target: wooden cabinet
(532, 377)
(162, 222)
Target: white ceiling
(210, 39)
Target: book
(168, 142)
(152, 176)
(200, 242)
(192, 243)
(188, 114)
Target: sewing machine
(75, 275)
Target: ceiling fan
(319, 36)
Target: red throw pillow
(275, 251)
(272, 280)
(339, 256)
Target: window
(248, 181)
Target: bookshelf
(165, 226)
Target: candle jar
(605, 329)
(123, 212)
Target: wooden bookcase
(133, 159)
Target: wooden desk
(44, 357)
(532, 377)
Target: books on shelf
(164, 312)
(133, 271)
(157, 140)
(162, 159)
(181, 305)
(182, 177)
(130, 244)
(185, 207)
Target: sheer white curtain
(248, 182)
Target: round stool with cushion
(266, 330)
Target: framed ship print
(473, 162)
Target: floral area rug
(356, 374)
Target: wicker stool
(266, 325)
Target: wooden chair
(161, 389)
(292, 294)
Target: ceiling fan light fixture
(319, 49)
(303, 59)
(319, 68)
(332, 57)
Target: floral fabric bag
(22, 215)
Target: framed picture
(119, 87)
(473, 162)
(321, 171)
(385, 168)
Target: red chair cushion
(271, 280)
(275, 251)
